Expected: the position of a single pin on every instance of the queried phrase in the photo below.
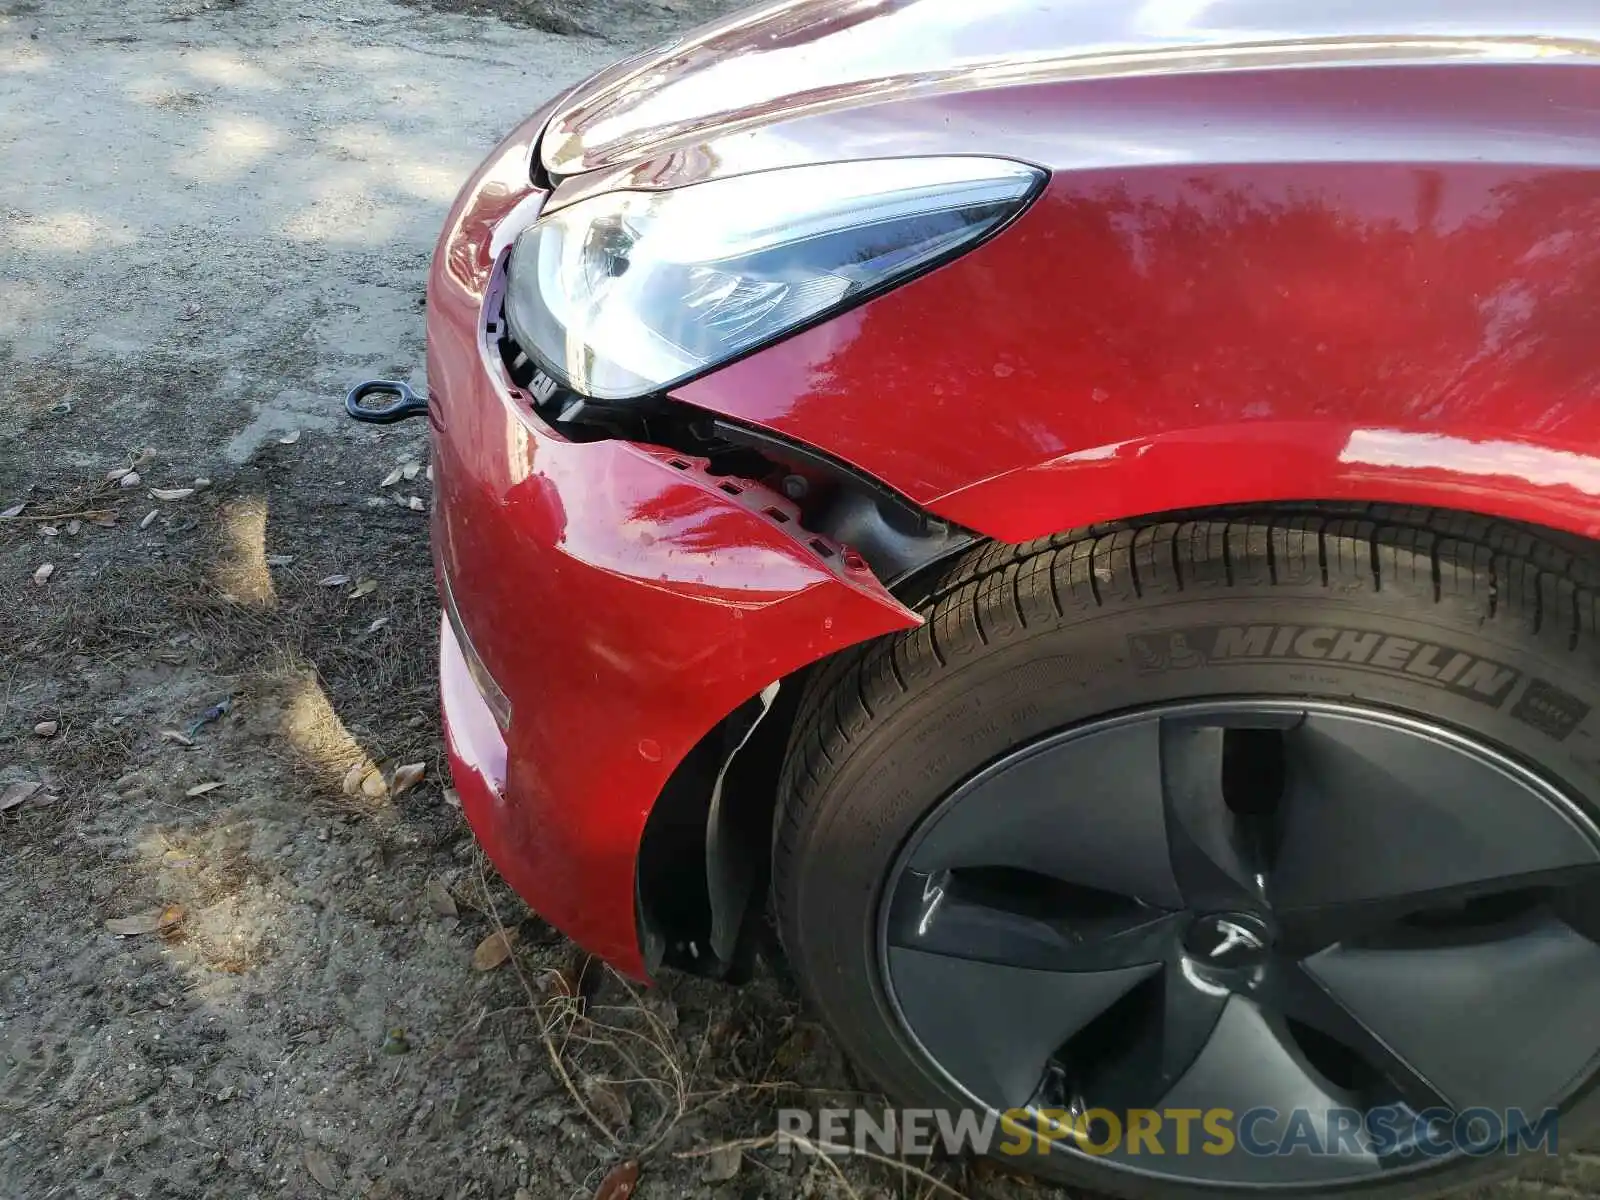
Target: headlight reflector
(627, 293)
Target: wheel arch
(678, 909)
(1536, 482)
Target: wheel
(1257, 851)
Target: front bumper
(623, 600)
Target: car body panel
(762, 67)
(1308, 316)
(623, 600)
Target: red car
(1080, 517)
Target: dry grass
(635, 1082)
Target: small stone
(46, 729)
(131, 480)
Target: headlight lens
(628, 293)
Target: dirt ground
(215, 215)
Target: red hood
(775, 61)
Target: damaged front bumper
(620, 599)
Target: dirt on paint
(215, 216)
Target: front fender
(1295, 312)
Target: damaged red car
(1075, 525)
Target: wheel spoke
(1251, 1067)
(1211, 855)
(1160, 1055)
(1087, 810)
(1288, 989)
(1373, 811)
(1506, 1023)
(995, 1027)
(951, 915)
(1305, 930)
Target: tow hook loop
(406, 403)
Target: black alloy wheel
(1288, 818)
(1251, 905)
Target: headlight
(628, 293)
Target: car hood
(775, 61)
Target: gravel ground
(214, 216)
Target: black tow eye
(406, 403)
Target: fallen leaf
(609, 1101)
(73, 526)
(320, 1169)
(416, 504)
(172, 493)
(279, 560)
(452, 797)
(353, 778)
(152, 921)
(289, 438)
(200, 789)
(411, 470)
(619, 1183)
(439, 898)
(15, 510)
(150, 518)
(365, 588)
(131, 480)
(41, 576)
(46, 729)
(16, 794)
(393, 477)
(373, 786)
(407, 777)
(722, 1164)
(49, 531)
(106, 520)
(174, 735)
(190, 311)
(494, 949)
(117, 473)
(395, 1042)
(333, 581)
(201, 482)
(377, 625)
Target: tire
(1022, 641)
